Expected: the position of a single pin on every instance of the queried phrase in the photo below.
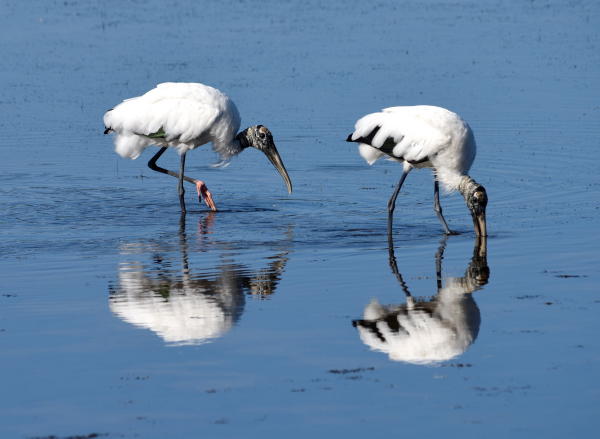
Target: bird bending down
(184, 116)
(425, 137)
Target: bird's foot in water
(203, 192)
(451, 232)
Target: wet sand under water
(285, 315)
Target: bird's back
(182, 115)
(422, 135)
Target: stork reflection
(183, 307)
(434, 330)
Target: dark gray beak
(479, 224)
(273, 156)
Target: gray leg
(392, 205)
(152, 165)
(180, 189)
(438, 208)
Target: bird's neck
(467, 186)
(451, 180)
(242, 140)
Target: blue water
(117, 318)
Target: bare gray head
(259, 137)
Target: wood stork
(425, 137)
(184, 116)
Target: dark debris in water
(457, 365)
(496, 391)
(528, 296)
(77, 436)
(563, 275)
(346, 371)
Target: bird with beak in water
(425, 136)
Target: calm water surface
(278, 314)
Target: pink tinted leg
(204, 193)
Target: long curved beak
(273, 156)
(479, 224)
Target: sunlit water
(284, 315)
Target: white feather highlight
(189, 114)
(425, 135)
(370, 154)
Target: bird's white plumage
(422, 132)
(190, 115)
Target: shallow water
(119, 318)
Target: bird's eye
(261, 134)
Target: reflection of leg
(438, 207)
(394, 267)
(184, 248)
(438, 261)
(392, 205)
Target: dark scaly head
(477, 200)
(259, 137)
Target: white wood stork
(184, 116)
(425, 137)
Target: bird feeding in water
(184, 116)
(425, 137)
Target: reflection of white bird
(425, 332)
(179, 311)
(425, 137)
(184, 116)
(186, 308)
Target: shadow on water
(428, 331)
(184, 307)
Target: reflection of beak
(481, 247)
(479, 224)
(478, 268)
(273, 156)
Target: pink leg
(204, 193)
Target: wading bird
(184, 116)
(425, 137)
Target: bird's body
(184, 116)
(189, 115)
(423, 137)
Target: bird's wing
(404, 133)
(174, 111)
